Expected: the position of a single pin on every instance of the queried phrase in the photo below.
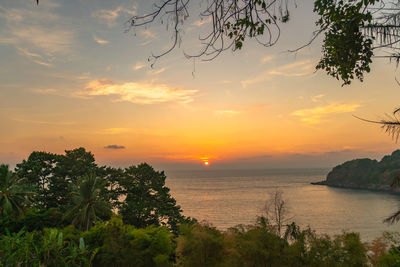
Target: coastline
(372, 188)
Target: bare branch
(232, 22)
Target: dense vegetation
(65, 210)
(366, 173)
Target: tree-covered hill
(366, 173)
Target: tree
(14, 196)
(147, 199)
(89, 206)
(38, 170)
(116, 244)
(53, 176)
(276, 211)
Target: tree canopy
(74, 184)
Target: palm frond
(391, 125)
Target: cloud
(36, 58)
(42, 39)
(315, 115)
(238, 110)
(139, 93)
(296, 69)
(312, 159)
(227, 112)
(109, 16)
(58, 123)
(266, 59)
(114, 147)
(202, 21)
(156, 71)
(139, 65)
(115, 130)
(317, 98)
(99, 41)
(148, 34)
(48, 40)
(45, 91)
(224, 82)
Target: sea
(226, 198)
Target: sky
(72, 76)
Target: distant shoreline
(377, 190)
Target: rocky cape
(366, 174)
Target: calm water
(226, 198)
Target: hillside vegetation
(366, 174)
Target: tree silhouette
(89, 205)
(14, 195)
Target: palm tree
(88, 203)
(14, 195)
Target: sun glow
(205, 160)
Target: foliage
(89, 206)
(47, 248)
(346, 51)
(366, 173)
(385, 250)
(259, 245)
(148, 201)
(391, 258)
(39, 219)
(53, 176)
(199, 245)
(14, 195)
(85, 192)
(116, 244)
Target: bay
(225, 198)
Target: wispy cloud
(41, 122)
(156, 71)
(139, 65)
(296, 69)
(114, 147)
(267, 58)
(317, 98)
(148, 34)
(227, 112)
(148, 37)
(233, 111)
(41, 40)
(115, 130)
(140, 93)
(316, 115)
(45, 91)
(49, 40)
(100, 41)
(202, 21)
(110, 16)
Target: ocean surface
(226, 198)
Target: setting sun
(206, 163)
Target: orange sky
(72, 77)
